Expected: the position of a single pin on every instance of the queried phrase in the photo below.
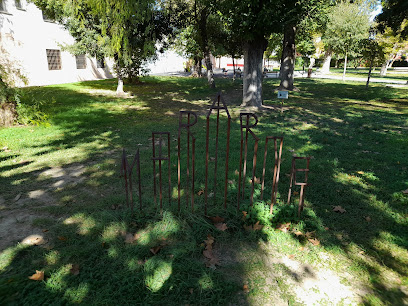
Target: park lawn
(62, 181)
(392, 74)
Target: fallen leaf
(45, 230)
(309, 234)
(37, 276)
(216, 219)
(236, 172)
(129, 238)
(200, 192)
(62, 238)
(244, 215)
(209, 240)
(248, 228)
(295, 193)
(221, 226)
(256, 180)
(245, 288)
(339, 209)
(360, 172)
(283, 227)
(208, 254)
(314, 241)
(212, 263)
(298, 233)
(156, 249)
(257, 226)
(326, 228)
(17, 197)
(74, 269)
(361, 252)
(301, 249)
(291, 256)
(368, 219)
(405, 191)
(231, 182)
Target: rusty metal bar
(276, 171)
(216, 105)
(302, 185)
(248, 130)
(159, 159)
(189, 135)
(126, 172)
(193, 174)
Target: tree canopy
(394, 15)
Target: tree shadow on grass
(315, 124)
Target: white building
(31, 42)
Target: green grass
(358, 140)
(375, 73)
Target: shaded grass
(356, 136)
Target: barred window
(19, 4)
(2, 6)
(100, 62)
(80, 61)
(54, 59)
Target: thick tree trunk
(8, 114)
(252, 84)
(345, 66)
(326, 61)
(197, 66)
(210, 73)
(287, 68)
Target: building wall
(25, 36)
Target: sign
(283, 94)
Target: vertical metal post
(244, 146)
(216, 105)
(302, 185)
(160, 158)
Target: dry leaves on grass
(368, 219)
(221, 226)
(200, 192)
(211, 260)
(245, 288)
(405, 191)
(255, 227)
(37, 276)
(339, 209)
(156, 249)
(74, 269)
(284, 227)
(257, 180)
(131, 238)
(216, 219)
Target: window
(19, 5)
(47, 18)
(3, 6)
(54, 59)
(80, 61)
(100, 62)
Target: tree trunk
(8, 114)
(197, 66)
(210, 73)
(384, 68)
(345, 66)
(312, 62)
(326, 61)
(369, 72)
(119, 88)
(288, 58)
(252, 84)
(233, 69)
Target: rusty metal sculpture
(126, 171)
(244, 146)
(293, 180)
(186, 126)
(159, 159)
(216, 106)
(276, 171)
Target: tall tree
(254, 21)
(347, 25)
